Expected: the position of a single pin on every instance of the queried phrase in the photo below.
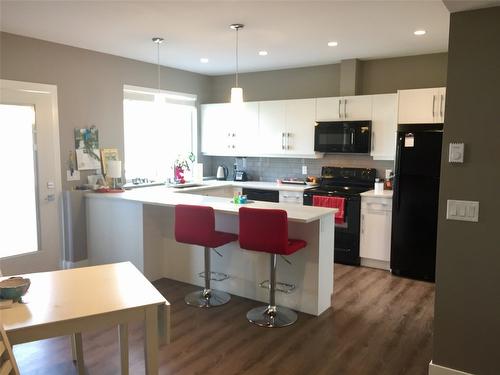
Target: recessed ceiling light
(204, 60)
(332, 44)
(262, 53)
(419, 32)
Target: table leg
(77, 352)
(151, 340)
(123, 335)
(164, 324)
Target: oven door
(346, 234)
(352, 137)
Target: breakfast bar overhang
(138, 226)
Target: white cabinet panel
(357, 108)
(328, 109)
(215, 130)
(384, 126)
(272, 127)
(421, 106)
(299, 137)
(245, 129)
(375, 237)
(295, 197)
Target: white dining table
(69, 302)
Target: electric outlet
(304, 169)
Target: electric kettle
(222, 172)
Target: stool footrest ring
(280, 287)
(215, 276)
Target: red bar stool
(267, 230)
(195, 225)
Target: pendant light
(236, 91)
(158, 41)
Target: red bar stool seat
(195, 225)
(266, 230)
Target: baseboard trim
(375, 263)
(66, 264)
(441, 370)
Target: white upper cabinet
(421, 106)
(272, 119)
(356, 108)
(384, 126)
(299, 126)
(328, 109)
(347, 108)
(229, 129)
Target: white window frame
(149, 94)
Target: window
(159, 126)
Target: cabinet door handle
(288, 141)
(441, 107)
(433, 105)
(373, 141)
(362, 223)
(340, 113)
(282, 141)
(345, 108)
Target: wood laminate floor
(379, 324)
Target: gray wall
(467, 309)
(410, 72)
(90, 85)
(310, 82)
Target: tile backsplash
(270, 169)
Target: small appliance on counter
(222, 173)
(240, 176)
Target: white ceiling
(294, 33)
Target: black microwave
(350, 137)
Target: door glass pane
(18, 195)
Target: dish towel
(332, 202)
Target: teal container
(14, 288)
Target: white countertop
(165, 196)
(210, 184)
(371, 193)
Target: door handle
(373, 141)
(282, 141)
(340, 113)
(288, 141)
(352, 138)
(362, 223)
(433, 105)
(441, 107)
(345, 108)
(50, 198)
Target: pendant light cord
(237, 29)
(158, 57)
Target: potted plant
(181, 166)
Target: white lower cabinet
(296, 197)
(375, 233)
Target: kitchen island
(138, 226)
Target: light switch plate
(462, 210)
(304, 169)
(456, 153)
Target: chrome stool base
(213, 298)
(272, 316)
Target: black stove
(348, 183)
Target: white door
(300, 123)
(272, 127)
(30, 193)
(357, 108)
(328, 109)
(419, 106)
(384, 126)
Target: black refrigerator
(415, 200)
